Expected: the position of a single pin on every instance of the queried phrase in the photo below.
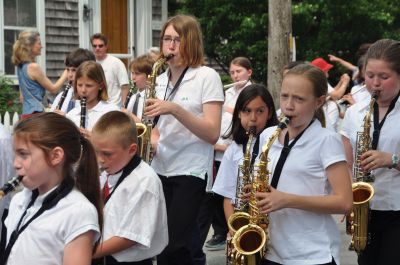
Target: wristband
(395, 161)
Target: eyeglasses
(98, 46)
(169, 40)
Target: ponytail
(319, 114)
(87, 177)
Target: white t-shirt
(231, 96)
(116, 76)
(137, 211)
(360, 93)
(387, 181)
(226, 181)
(44, 240)
(179, 151)
(92, 115)
(299, 236)
(140, 103)
(331, 112)
(67, 100)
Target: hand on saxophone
(246, 193)
(155, 107)
(374, 159)
(271, 201)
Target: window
(18, 15)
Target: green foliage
(233, 28)
(9, 97)
(239, 27)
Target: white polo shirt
(137, 211)
(299, 236)
(387, 181)
(45, 238)
(179, 151)
(92, 115)
(140, 103)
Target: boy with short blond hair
(135, 219)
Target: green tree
(239, 27)
(233, 28)
(9, 97)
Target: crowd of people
(89, 198)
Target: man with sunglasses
(114, 69)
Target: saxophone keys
(351, 246)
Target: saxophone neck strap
(171, 95)
(284, 154)
(175, 88)
(378, 125)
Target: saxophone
(146, 152)
(140, 127)
(253, 237)
(241, 216)
(357, 220)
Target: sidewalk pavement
(346, 257)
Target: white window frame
(40, 27)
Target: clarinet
(64, 95)
(10, 186)
(130, 94)
(83, 113)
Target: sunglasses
(98, 46)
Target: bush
(9, 96)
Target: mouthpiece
(168, 56)
(253, 129)
(284, 122)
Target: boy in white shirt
(135, 217)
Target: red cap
(322, 64)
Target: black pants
(212, 213)
(383, 245)
(218, 221)
(109, 260)
(183, 196)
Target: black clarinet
(83, 113)
(64, 95)
(130, 94)
(10, 185)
